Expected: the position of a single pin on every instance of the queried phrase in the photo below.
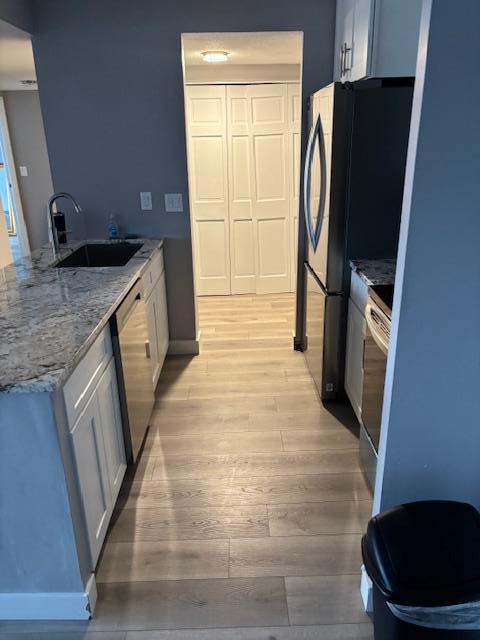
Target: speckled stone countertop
(49, 317)
(375, 271)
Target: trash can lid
(425, 553)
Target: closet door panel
(294, 121)
(269, 152)
(242, 240)
(208, 181)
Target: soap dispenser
(113, 232)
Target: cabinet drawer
(152, 272)
(358, 291)
(83, 380)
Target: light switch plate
(23, 171)
(146, 200)
(173, 202)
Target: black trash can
(424, 561)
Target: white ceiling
(16, 58)
(276, 47)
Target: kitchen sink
(100, 255)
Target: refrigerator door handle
(307, 179)
(314, 231)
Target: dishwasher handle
(129, 304)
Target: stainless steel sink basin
(100, 255)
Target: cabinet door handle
(147, 348)
(341, 60)
(346, 50)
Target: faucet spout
(56, 196)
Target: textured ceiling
(276, 47)
(16, 58)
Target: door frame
(19, 217)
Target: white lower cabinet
(157, 319)
(99, 452)
(151, 304)
(163, 336)
(91, 462)
(111, 421)
(354, 357)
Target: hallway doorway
(243, 120)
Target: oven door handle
(379, 337)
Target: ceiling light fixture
(215, 56)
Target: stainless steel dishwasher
(134, 368)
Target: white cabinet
(163, 336)
(344, 38)
(354, 357)
(157, 316)
(91, 463)
(376, 39)
(151, 304)
(356, 327)
(93, 412)
(111, 421)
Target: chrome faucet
(53, 228)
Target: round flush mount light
(215, 56)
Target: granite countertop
(375, 271)
(49, 317)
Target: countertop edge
(374, 271)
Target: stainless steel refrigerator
(353, 189)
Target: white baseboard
(183, 348)
(49, 606)
(366, 591)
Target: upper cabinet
(376, 39)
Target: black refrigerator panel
(380, 133)
(323, 314)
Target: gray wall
(110, 82)
(18, 13)
(29, 149)
(430, 443)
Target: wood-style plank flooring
(244, 516)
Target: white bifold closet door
(245, 217)
(208, 182)
(243, 235)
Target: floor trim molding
(183, 348)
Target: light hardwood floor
(244, 516)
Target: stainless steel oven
(134, 368)
(378, 319)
